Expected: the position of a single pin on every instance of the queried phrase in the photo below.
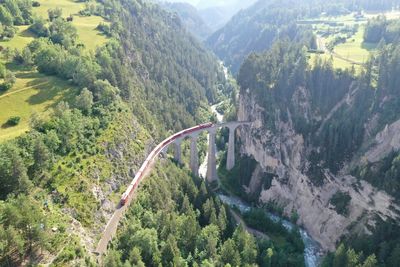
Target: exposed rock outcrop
(387, 141)
(284, 153)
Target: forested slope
(60, 181)
(322, 133)
(256, 28)
(177, 220)
(191, 18)
(173, 69)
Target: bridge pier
(178, 151)
(230, 160)
(164, 151)
(194, 154)
(212, 161)
(112, 225)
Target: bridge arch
(162, 148)
(211, 160)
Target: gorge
(307, 143)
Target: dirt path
(21, 90)
(321, 46)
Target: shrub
(39, 28)
(54, 13)
(341, 202)
(9, 81)
(24, 57)
(10, 78)
(104, 28)
(5, 87)
(2, 70)
(13, 121)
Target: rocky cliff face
(285, 153)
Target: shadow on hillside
(26, 33)
(31, 75)
(2, 92)
(14, 67)
(369, 46)
(50, 90)
(47, 91)
(6, 125)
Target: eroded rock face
(385, 142)
(284, 153)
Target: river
(312, 253)
(203, 165)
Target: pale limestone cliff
(284, 154)
(385, 142)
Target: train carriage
(139, 175)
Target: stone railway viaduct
(211, 161)
(176, 140)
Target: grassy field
(86, 26)
(33, 92)
(337, 62)
(68, 7)
(20, 40)
(88, 34)
(354, 50)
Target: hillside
(89, 88)
(251, 30)
(324, 144)
(35, 92)
(218, 13)
(256, 28)
(91, 116)
(177, 220)
(190, 18)
(214, 13)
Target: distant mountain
(231, 4)
(215, 13)
(252, 30)
(191, 19)
(256, 28)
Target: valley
(202, 133)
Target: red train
(140, 174)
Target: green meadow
(354, 49)
(86, 26)
(35, 92)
